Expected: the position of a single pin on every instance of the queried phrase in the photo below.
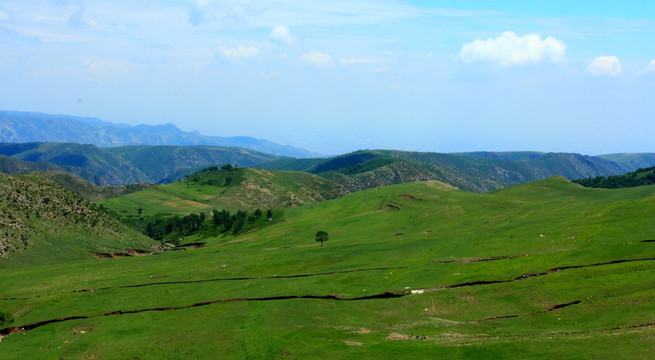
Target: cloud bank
(509, 49)
(605, 66)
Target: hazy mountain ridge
(162, 163)
(122, 165)
(21, 127)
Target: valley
(412, 270)
(175, 251)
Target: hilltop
(241, 189)
(43, 223)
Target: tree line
(187, 225)
(637, 178)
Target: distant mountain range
(22, 127)
(478, 171)
(93, 154)
(122, 165)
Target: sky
(337, 76)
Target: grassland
(42, 223)
(248, 189)
(542, 270)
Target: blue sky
(336, 76)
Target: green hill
(248, 189)
(547, 269)
(44, 223)
(480, 172)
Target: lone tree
(321, 236)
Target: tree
(227, 167)
(321, 236)
(269, 214)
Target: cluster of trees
(195, 177)
(186, 225)
(644, 176)
(190, 224)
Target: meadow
(547, 269)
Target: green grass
(409, 229)
(41, 222)
(249, 189)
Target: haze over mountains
(20, 127)
(102, 163)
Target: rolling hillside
(123, 165)
(44, 223)
(420, 270)
(480, 172)
(247, 189)
(85, 161)
(87, 190)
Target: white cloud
(317, 58)
(3, 16)
(238, 52)
(650, 68)
(509, 49)
(282, 35)
(605, 66)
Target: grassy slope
(250, 189)
(44, 223)
(419, 227)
